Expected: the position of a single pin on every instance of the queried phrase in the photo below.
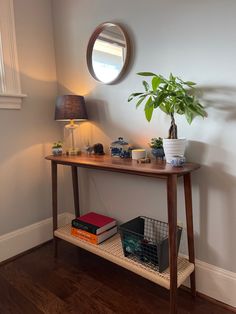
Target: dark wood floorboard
(13, 301)
(80, 282)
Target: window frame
(10, 88)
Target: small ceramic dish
(178, 161)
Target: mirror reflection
(107, 53)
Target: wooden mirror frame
(91, 42)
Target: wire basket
(146, 240)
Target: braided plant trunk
(172, 145)
(173, 128)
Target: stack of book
(93, 227)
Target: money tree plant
(172, 96)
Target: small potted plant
(172, 96)
(157, 147)
(57, 148)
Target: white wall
(195, 40)
(26, 134)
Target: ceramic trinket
(178, 161)
(120, 148)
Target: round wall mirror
(108, 53)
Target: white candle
(138, 153)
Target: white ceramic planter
(173, 147)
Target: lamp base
(73, 152)
(71, 145)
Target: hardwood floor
(80, 282)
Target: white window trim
(10, 89)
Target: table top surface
(157, 168)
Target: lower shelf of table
(111, 250)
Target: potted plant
(172, 96)
(57, 148)
(157, 147)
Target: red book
(93, 223)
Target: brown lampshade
(70, 107)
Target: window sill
(11, 101)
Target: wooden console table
(180, 268)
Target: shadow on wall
(221, 98)
(217, 214)
(216, 181)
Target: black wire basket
(146, 240)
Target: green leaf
(149, 109)
(189, 116)
(156, 81)
(163, 108)
(155, 103)
(131, 97)
(189, 83)
(204, 113)
(196, 108)
(146, 86)
(201, 106)
(159, 99)
(189, 100)
(146, 74)
(199, 111)
(165, 86)
(179, 108)
(171, 77)
(168, 107)
(136, 94)
(140, 101)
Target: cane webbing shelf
(112, 250)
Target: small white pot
(173, 147)
(138, 153)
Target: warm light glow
(71, 125)
(73, 85)
(90, 133)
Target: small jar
(120, 148)
(178, 161)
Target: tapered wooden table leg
(54, 203)
(189, 219)
(172, 220)
(75, 190)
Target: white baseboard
(215, 282)
(212, 281)
(23, 239)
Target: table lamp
(71, 108)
